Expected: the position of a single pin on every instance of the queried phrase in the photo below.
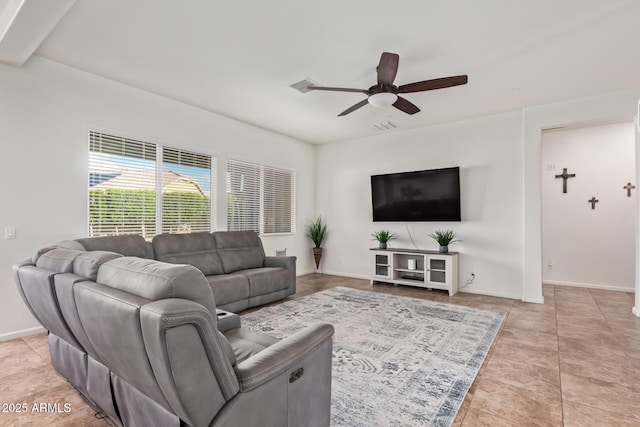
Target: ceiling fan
(385, 93)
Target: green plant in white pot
(383, 237)
(444, 239)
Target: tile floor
(574, 361)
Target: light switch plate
(9, 233)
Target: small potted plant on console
(383, 237)
(444, 239)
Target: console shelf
(415, 267)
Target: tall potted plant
(444, 239)
(317, 232)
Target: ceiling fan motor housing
(383, 88)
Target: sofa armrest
(286, 262)
(281, 356)
(158, 316)
(227, 320)
(189, 358)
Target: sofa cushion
(59, 260)
(156, 280)
(127, 245)
(239, 250)
(87, 263)
(266, 280)
(197, 249)
(228, 288)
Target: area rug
(397, 361)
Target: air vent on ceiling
(303, 86)
(388, 125)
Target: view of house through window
(186, 191)
(130, 192)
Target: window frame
(158, 168)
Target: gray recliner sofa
(141, 340)
(234, 263)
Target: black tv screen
(429, 195)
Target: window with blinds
(136, 187)
(260, 198)
(186, 191)
(122, 190)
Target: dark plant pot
(382, 245)
(317, 254)
(443, 249)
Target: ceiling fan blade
(354, 107)
(387, 68)
(338, 89)
(406, 106)
(432, 84)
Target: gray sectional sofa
(146, 344)
(234, 263)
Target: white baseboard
(23, 333)
(471, 291)
(636, 311)
(491, 294)
(588, 285)
(353, 276)
(539, 300)
(303, 272)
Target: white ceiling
(239, 58)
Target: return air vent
(388, 125)
(303, 86)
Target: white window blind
(243, 196)
(279, 201)
(131, 192)
(186, 191)
(122, 194)
(260, 198)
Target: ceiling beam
(24, 24)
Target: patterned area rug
(397, 361)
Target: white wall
(46, 110)
(582, 246)
(610, 107)
(489, 152)
(500, 157)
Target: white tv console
(415, 267)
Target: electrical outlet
(551, 167)
(472, 277)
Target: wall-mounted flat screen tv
(428, 195)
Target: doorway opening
(588, 206)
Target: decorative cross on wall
(593, 202)
(565, 176)
(629, 187)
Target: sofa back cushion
(87, 263)
(58, 260)
(155, 280)
(127, 245)
(239, 250)
(196, 249)
(36, 285)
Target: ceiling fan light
(382, 99)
